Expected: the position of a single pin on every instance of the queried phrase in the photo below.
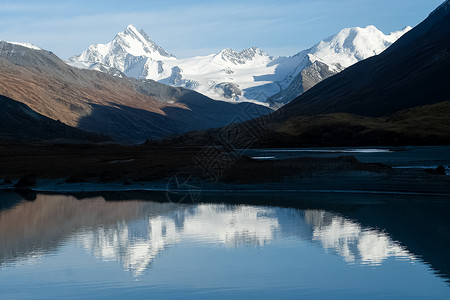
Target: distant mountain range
(126, 109)
(399, 97)
(249, 75)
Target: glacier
(250, 75)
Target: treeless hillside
(399, 97)
(124, 108)
(412, 72)
(19, 123)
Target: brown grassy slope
(423, 125)
(67, 94)
(429, 119)
(126, 109)
(19, 123)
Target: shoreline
(364, 183)
(185, 172)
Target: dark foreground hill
(413, 71)
(423, 125)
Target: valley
(127, 172)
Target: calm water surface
(62, 247)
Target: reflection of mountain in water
(136, 244)
(30, 229)
(353, 242)
(134, 233)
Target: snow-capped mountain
(331, 56)
(124, 51)
(249, 75)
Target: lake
(409, 157)
(116, 246)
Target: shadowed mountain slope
(413, 71)
(19, 123)
(422, 125)
(126, 109)
(399, 97)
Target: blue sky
(199, 27)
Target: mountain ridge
(252, 74)
(420, 58)
(127, 109)
(399, 97)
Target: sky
(201, 27)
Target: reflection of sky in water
(136, 244)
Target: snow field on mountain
(250, 75)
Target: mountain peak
(253, 51)
(131, 30)
(127, 48)
(131, 27)
(250, 73)
(228, 52)
(242, 57)
(351, 45)
(389, 82)
(138, 43)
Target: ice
(254, 75)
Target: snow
(27, 45)
(351, 45)
(250, 75)
(126, 49)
